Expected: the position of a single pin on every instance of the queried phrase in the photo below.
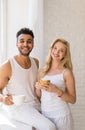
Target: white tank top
(50, 101)
(23, 81)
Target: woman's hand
(53, 89)
(38, 90)
(50, 88)
(38, 86)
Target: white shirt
(23, 81)
(50, 102)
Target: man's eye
(29, 41)
(21, 41)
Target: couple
(19, 76)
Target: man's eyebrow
(21, 39)
(24, 39)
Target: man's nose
(25, 43)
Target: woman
(56, 95)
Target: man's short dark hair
(25, 31)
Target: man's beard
(25, 54)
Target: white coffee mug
(18, 99)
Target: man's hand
(8, 99)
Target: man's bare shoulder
(5, 68)
(5, 65)
(36, 61)
(5, 73)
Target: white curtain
(35, 21)
(3, 47)
(32, 12)
(32, 16)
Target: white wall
(66, 18)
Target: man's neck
(23, 61)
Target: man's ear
(33, 44)
(17, 44)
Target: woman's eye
(55, 48)
(61, 50)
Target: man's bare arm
(5, 74)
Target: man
(18, 76)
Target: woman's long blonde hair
(66, 62)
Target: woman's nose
(57, 51)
